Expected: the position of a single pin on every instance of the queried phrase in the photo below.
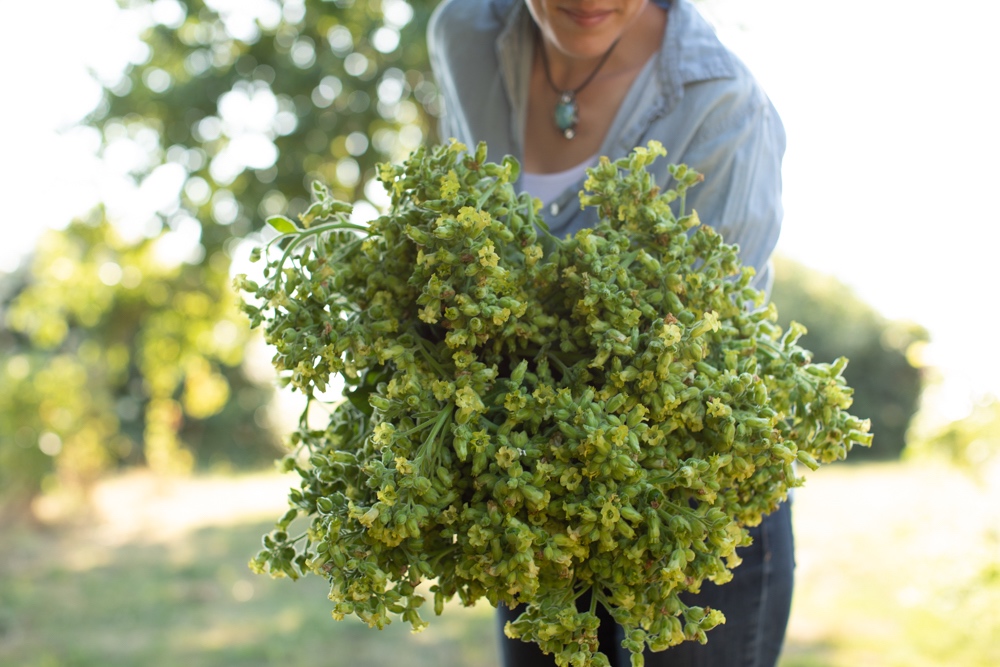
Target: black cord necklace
(567, 111)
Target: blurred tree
(883, 371)
(256, 100)
(23, 463)
(972, 443)
(125, 346)
(118, 353)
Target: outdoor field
(893, 571)
(387, 243)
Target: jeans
(756, 604)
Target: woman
(557, 83)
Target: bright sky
(891, 109)
(891, 172)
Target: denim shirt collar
(691, 52)
(515, 52)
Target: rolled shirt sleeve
(739, 151)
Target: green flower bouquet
(526, 418)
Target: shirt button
(554, 209)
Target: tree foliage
(114, 354)
(887, 383)
(119, 356)
(257, 101)
(972, 443)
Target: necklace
(567, 111)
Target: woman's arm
(739, 149)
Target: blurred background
(144, 143)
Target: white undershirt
(548, 187)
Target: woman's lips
(587, 19)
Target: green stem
(771, 346)
(427, 351)
(541, 226)
(486, 195)
(304, 416)
(303, 235)
(419, 427)
(576, 595)
(444, 552)
(297, 538)
(490, 426)
(685, 511)
(345, 250)
(558, 362)
(431, 439)
(656, 480)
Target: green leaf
(320, 191)
(514, 166)
(282, 224)
(359, 399)
(366, 386)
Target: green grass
(895, 566)
(894, 571)
(194, 603)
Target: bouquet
(529, 419)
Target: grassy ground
(897, 567)
(892, 571)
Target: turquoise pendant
(566, 114)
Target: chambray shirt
(694, 96)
